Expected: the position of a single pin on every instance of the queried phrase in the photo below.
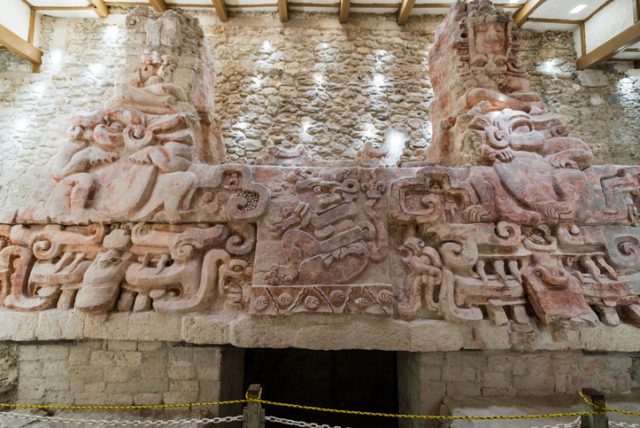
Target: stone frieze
(505, 221)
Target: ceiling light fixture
(579, 8)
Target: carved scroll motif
(100, 268)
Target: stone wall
(426, 379)
(125, 373)
(314, 81)
(8, 370)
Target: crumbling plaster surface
(314, 81)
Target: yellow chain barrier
(118, 407)
(599, 409)
(409, 416)
(607, 409)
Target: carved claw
(560, 161)
(593, 269)
(505, 155)
(141, 157)
(556, 209)
(607, 267)
(104, 158)
(498, 267)
(515, 270)
(481, 272)
(475, 213)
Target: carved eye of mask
(115, 126)
(185, 251)
(350, 185)
(317, 190)
(76, 131)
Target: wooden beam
(345, 5)
(100, 8)
(32, 25)
(405, 10)
(522, 14)
(583, 40)
(20, 47)
(556, 21)
(283, 10)
(159, 5)
(221, 10)
(611, 47)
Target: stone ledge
(529, 406)
(307, 331)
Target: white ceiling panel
(545, 26)
(627, 55)
(63, 3)
(430, 7)
(561, 9)
(636, 46)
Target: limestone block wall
(310, 81)
(426, 379)
(125, 373)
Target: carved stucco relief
(506, 220)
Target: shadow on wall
(352, 380)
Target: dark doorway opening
(351, 380)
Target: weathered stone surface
(527, 190)
(116, 372)
(489, 382)
(9, 370)
(592, 78)
(514, 239)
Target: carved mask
(490, 38)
